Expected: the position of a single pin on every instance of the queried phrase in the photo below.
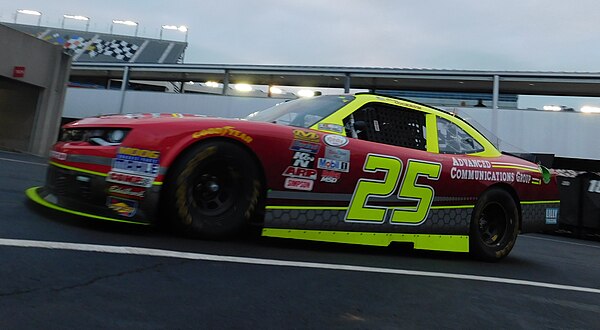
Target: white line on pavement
(561, 241)
(272, 262)
(22, 161)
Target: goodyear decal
(306, 136)
(223, 131)
(123, 207)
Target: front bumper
(82, 193)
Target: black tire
(213, 190)
(494, 225)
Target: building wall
(32, 103)
(565, 134)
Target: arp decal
(123, 207)
(222, 131)
(306, 136)
(342, 155)
(330, 176)
(299, 172)
(303, 159)
(333, 165)
(408, 189)
(303, 146)
(335, 140)
(299, 184)
(129, 179)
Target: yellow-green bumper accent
(450, 243)
(32, 193)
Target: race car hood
(129, 120)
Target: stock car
(359, 169)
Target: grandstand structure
(94, 47)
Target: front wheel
(494, 225)
(213, 190)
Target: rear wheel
(494, 225)
(213, 190)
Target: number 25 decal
(410, 190)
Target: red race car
(360, 169)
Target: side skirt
(450, 243)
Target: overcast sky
(523, 35)
(549, 35)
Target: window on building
(454, 140)
(392, 125)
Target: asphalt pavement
(62, 271)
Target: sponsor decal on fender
(299, 184)
(342, 155)
(137, 161)
(133, 192)
(466, 162)
(551, 216)
(222, 131)
(306, 136)
(594, 186)
(333, 165)
(330, 176)
(299, 172)
(58, 155)
(129, 179)
(123, 207)
(331, 127)
(335, 140)
(139, 154)
(303, 159)
(481, 175)
(299, 145)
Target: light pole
(78, 18)
(29, 12)
(181, 28)
(128, 23)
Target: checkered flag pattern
(119, 49)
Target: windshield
(302, 112)
(500, 144)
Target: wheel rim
(493, 224)
(213, 188)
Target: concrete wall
(561, 133)
(566, 134)
(81, 102)
(33, 103)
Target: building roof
(510, 82)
